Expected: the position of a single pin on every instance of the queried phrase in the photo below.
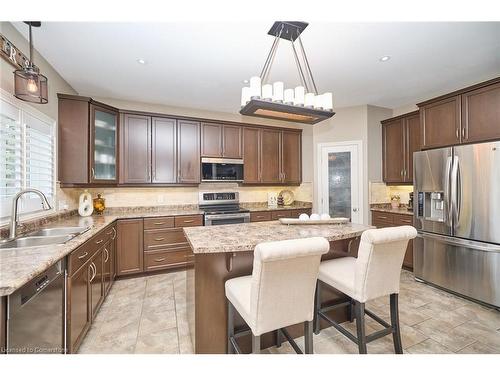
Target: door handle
(354, 210)
(455, 190)
(457, 133)
(106, 253)
(94, 271)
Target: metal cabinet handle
(159, 223)
(159, 259)
(114, 231)
(94, 271)
(83, 255)
(401, 173)
(106, 253)
(382, 217)
(159, 239)
(188, 221)
(457, 133)
(93, 172)
(406, 221)
(98, 242)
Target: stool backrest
(283, 282)
(379, 262)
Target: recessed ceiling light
(385, 58)
(245, 81)
(141, 61)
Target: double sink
(43, 237)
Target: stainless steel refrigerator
(457, 215)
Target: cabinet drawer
(298, 212)
(81, 255)
(154, 239)
(159, 222)
(260, 216)
(382, 216)
(275, 215)
(403, 220)
(189, 221)
(154, 260)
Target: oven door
(222, 169)
(222, 219)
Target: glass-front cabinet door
(104, 150)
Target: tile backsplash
(381, 193)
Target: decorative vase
(395, 204)
(99, 204)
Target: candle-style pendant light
(29, 84)
(300, 104)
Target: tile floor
(432, 320)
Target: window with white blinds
(27, 152)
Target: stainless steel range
(222, 208)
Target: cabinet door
(412, 144)
(291, 161)
(129, 256)
(96, 282)
(135, 149)
(79, 317)
(393, 151)
(441, 123)
(251, 155)
(108, 266)
(164, 150)
(103, 145)
(231, 141)
(270, 156)
(481, 114)
(188, 152)
(211, 140)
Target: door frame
(319, 171)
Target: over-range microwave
(217, 169)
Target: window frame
(26, 108)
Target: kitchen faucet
(14, 213)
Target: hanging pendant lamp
(29, 84)
(301, 104)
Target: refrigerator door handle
(454, 191)
(461, 242)
(448, 190)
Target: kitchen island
(226, 251)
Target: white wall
(404, 109)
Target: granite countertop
(244, 237)
(400, 211)
(18, 266)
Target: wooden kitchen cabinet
(164, 150)
(87, 141)
(291, 161)
(382, 219)
(251, 155)
(78, 307)
(108, 266)
(135, 148)
(441, 123)
(221, 141)
(129, 253)
(400, 139)
(96, 282)
(270, 149)
(188, 155)
(269, 215)
(481, 114)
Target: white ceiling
(202, 65)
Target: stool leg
(317, 308)
(279, 338)
(308, 337)
(230, 327)
(351, 311)
(360, 326)
(396, 332)
(255, 344)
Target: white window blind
(27, 152)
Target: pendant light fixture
(301, 104)
(29, 84)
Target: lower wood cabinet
(269, 215)
(96, 282)
(129, 259)
(387, 219)
(78, 307)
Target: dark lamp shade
(30, 86)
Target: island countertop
(244, 237)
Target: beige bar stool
(279, 293)
(374, 273)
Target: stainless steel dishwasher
(36, 314)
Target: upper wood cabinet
(465, 116)
(272, 156)
(135, 148)
(164, 150)
(481, 114)
(221, 141)
(400, 139)
(188, 155)
(88, 141)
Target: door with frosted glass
(340, 188)
(104, 131)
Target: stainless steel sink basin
(58, 231)
(36, 241)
